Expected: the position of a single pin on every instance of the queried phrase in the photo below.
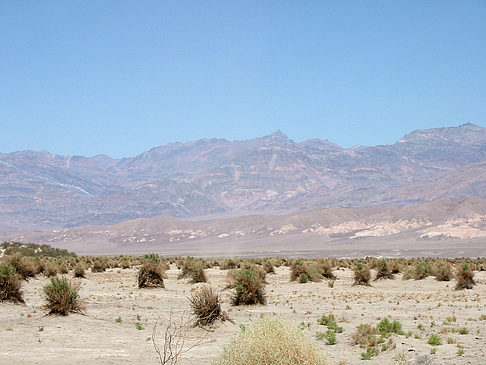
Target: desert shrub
(248, 287)
(386, 328)
(443, 271)
(271, 341)
(383, 270)
(464, 277)
(125, 264)
(228, 264)
(326, 267)
(311, 271)
(25, 266)
(193, 268)
(151, 258)
(362, 274)
(50, 270)
(422, 270)
(395, 266)
(63, 269)
(10, 284)
(434, 340)
(98, 266)
(206, 306)
(151, 275)
(268, 267)
(409, 273)
(79, 271)
(62, 296)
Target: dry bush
(62, 296)
(79, 271)
(442, 271)
(271, 341)
(206, 306)
(304, 271)
(98, 266)
(362, 274)
(10, 284)
(26, 266)
(151, 275)
(228, 264)
(248, 287)
(383, 270)
(268, 267)
(464, 277)
(50, 270)
(395, 266)
(193, 268)
(326, 265)
(176, 335)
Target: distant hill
(440, 219)
(40, 190)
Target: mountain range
(220, 178)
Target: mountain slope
(216, 176)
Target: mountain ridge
(41, 190)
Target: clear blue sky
(120, 77)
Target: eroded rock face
(40, 190)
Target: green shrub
(10, 284)
(464, 277)
(248, 287)
(383, 271)
(434, 340)
(422, 270)
(271, 341)
(79, 271)
(312, 271)
(62, 296)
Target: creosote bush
(464, 277)
(62, 296)
(271, 341)
(206, 306)
(10, 284)
(248, 287)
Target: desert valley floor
(29, 336)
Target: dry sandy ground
(29, 336)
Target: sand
(29, 336)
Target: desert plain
(118, 319)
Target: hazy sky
(120, 77)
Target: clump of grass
(50, 270)
(271, 341)
(386, 328)
(10, 284)
(443, 271)
(151, 275)
(206, 306)
(464, 277)
(268, 267)
(248, 287)
(362, 274)
(434, 340)
(62, 296)
(79, 271)
(383, 270)
(374, 338)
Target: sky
(120, 77)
